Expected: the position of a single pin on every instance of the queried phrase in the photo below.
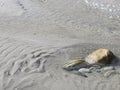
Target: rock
(97, 66)
(84, 70)
(94, 69)
(74, 65)
(100, 56)
(109, 73)
(108, 68)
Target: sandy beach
(37, 37)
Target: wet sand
(38, 37)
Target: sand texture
(37, 37)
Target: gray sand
(37, 37)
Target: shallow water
(112, 6)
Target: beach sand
(37, 37)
